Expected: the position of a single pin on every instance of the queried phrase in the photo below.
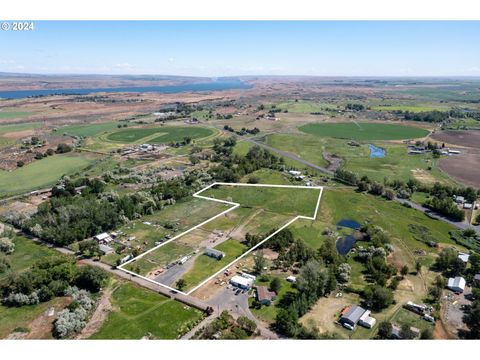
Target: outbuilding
(464, 257)
(456, 284)
(213, 253)
(241, 282)
(351, 315)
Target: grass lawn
(406, 317)
(364, 131)
(158, 135)
(88, 129)
(205, 266)
(410, 107)
(310, 232)
(139, 312)
(13, 114)
(279, 200)
(269, 313)
(25, 255)
(40, 173)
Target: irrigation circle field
(364, 131)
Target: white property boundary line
(234, 206)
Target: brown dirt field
(19, 134)
(464, 168)
(423, 176)
(469, 138)
(440, 331)
(326, 311)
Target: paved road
(290, 156)
(458, 225)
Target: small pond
(376, 152)
(349, 223)
(345, 244)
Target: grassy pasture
(138, 312)
(164, 134)
(302, 106)
(397, 164)
(40, 173)
(286, 201)
(205, 266)
(364, 131)
(13, 114)
(25, 255)
(88, 130)
(18, 127)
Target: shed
(291, 279)
(216, 254)
(459, 199)
(264, 296)
(476, 280)
(351, 315)
(456, 284)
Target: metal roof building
(214, 253)
(351, 315)
(241, 282)
(456, 284)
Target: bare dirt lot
(469, 138)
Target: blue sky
(329, 48)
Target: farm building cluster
(354, 315)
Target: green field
(303, 106)
(158, 135)
(397, 164)
(88, 129)
(286, 201)
(205, 266)
(40, 173)
(138, 312)
(364, 131)
(25, 255)
(13, 114)
(19, 127)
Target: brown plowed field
(465, 167)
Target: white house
(464, 257)
(456, 284)
(366, 320)
(294, 172)
(103, 238)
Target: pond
(376, 152)
(345, 244)
(349, 223)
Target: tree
(181, 284)
(275, 285)
(286, 323)
(90, 278)
(384, 330)
(472, 320)
(89, 248)
(378, 297)
(418, 267)
(260, 262)
(404, 270)
(7, 246)
(63, 148)
(389, 194)
(426, 334)
(407, 333)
